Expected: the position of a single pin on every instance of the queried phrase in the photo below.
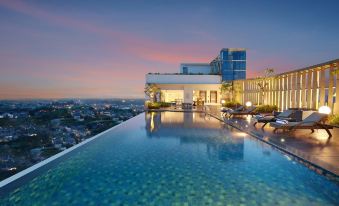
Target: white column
(303, 90)
(330, 89)
(322, 82)
(309, 93)
(188, 94)
(336, 106)
(314, 89)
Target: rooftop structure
(230, 63)
(199, 83)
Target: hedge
(266, 108)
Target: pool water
(175, 158)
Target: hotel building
(201, 82)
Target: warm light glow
(324, 110)
(223, 101)
(248, 104)
(240, 134)
(152, 121)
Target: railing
(182, 79)
(310, 87)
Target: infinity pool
(174, 158)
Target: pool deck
(315, 148)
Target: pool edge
(34, 167)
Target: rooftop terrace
(315, 148)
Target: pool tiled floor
(174, 158)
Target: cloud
(141, 47)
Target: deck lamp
(324, 110)
(223, 101)
(248, 104)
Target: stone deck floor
(315, 147)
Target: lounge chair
(247, 111)
(314, 121)
(285, 115)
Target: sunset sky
(66, 49)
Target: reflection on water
(197, 128)
(175, 159)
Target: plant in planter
(165, 104)
(266, 108)
(153, 105)
(231, 104)
(334, 119)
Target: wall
(310, 87)
(182, 79)
(189, 88)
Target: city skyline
(87, 49)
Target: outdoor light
(248, 104)
(324, 110)
(223, 101)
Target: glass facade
(185, 70)
(231, 64)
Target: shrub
(157, 105)
(165, 104)
(153, 105)
(266, 108)
(334, 119)
(231, 104)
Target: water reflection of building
(196, 128)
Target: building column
(273, 91)
(286, 100)
(281, 94)
(309, 84)
(293, 88)
(336, 105)
(219, 96)
(322, 82)
(303, 90)
(330, 89)
(208, 96)
(288, 91)
(314, 89)
(298, 100)
(243, 93)
(188, 94)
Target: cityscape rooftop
(97, 108)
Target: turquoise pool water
(174, 158)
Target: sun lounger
(285, 115)
(312, 122)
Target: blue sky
(104, 48)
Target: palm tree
(262, 82)
(151, 90)
(227, 87)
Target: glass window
(184, 70)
